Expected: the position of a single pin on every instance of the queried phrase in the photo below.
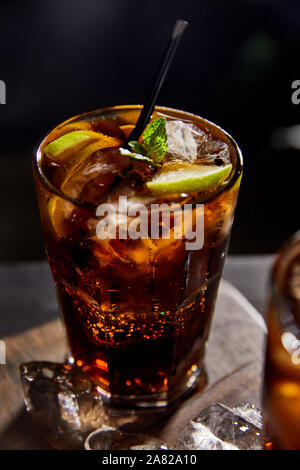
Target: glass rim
(37, 155)
(288, 253)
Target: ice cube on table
(68, 413)
(184, 140)
(221, 428)
(62, 404)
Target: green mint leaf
(154, 143)
(137, 147)
(135, 156)
(154, 140)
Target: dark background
(234, 66)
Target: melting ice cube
(184, 140)
(221, 428)
(62, 403)
(213, 151)
(68, 413)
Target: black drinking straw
(150, 102)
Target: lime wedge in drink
(60, 211)
(72, 149)
(61, 148)
(188, 178)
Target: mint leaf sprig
(153, 146)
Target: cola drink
(137, 310)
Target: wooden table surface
(234, 362)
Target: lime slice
(61, 148)
(60, 211)
(188, 178)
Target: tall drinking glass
(137, 310)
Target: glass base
(164, 402)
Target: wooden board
(233, 361)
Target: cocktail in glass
(137, 304)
